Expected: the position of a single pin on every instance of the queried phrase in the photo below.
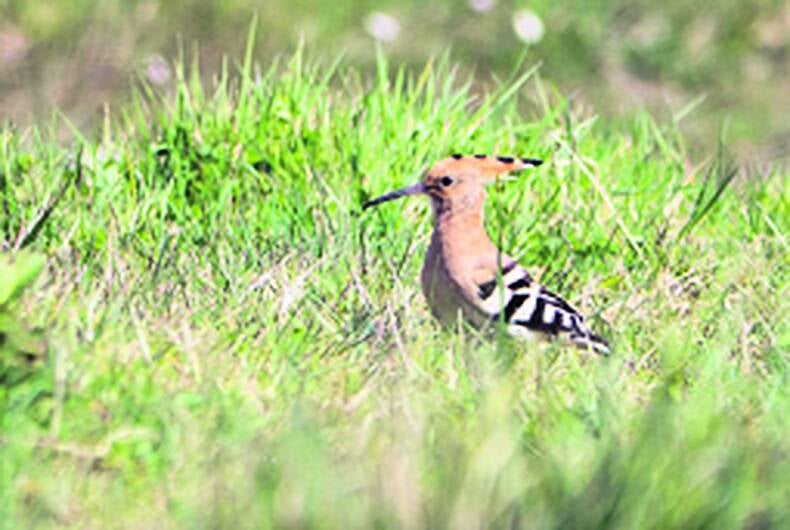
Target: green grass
(221, 339)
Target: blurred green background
(612, 56)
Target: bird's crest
(483, 167)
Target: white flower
(382, 26)
(528, 26)
(157, 69)
(482, 5)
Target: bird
(465, 273)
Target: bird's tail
(591, 341)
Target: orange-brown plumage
(464, 272)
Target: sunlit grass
(231, 343)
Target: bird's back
(465, 273)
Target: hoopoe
(465, 272)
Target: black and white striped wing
(527, 307)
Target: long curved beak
(397, 194)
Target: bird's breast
(444, 287)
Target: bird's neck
(461, 229)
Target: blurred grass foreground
(621, 56)
(205, 332)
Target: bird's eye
(447, 180)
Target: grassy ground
(220, 339)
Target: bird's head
(458, 182)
